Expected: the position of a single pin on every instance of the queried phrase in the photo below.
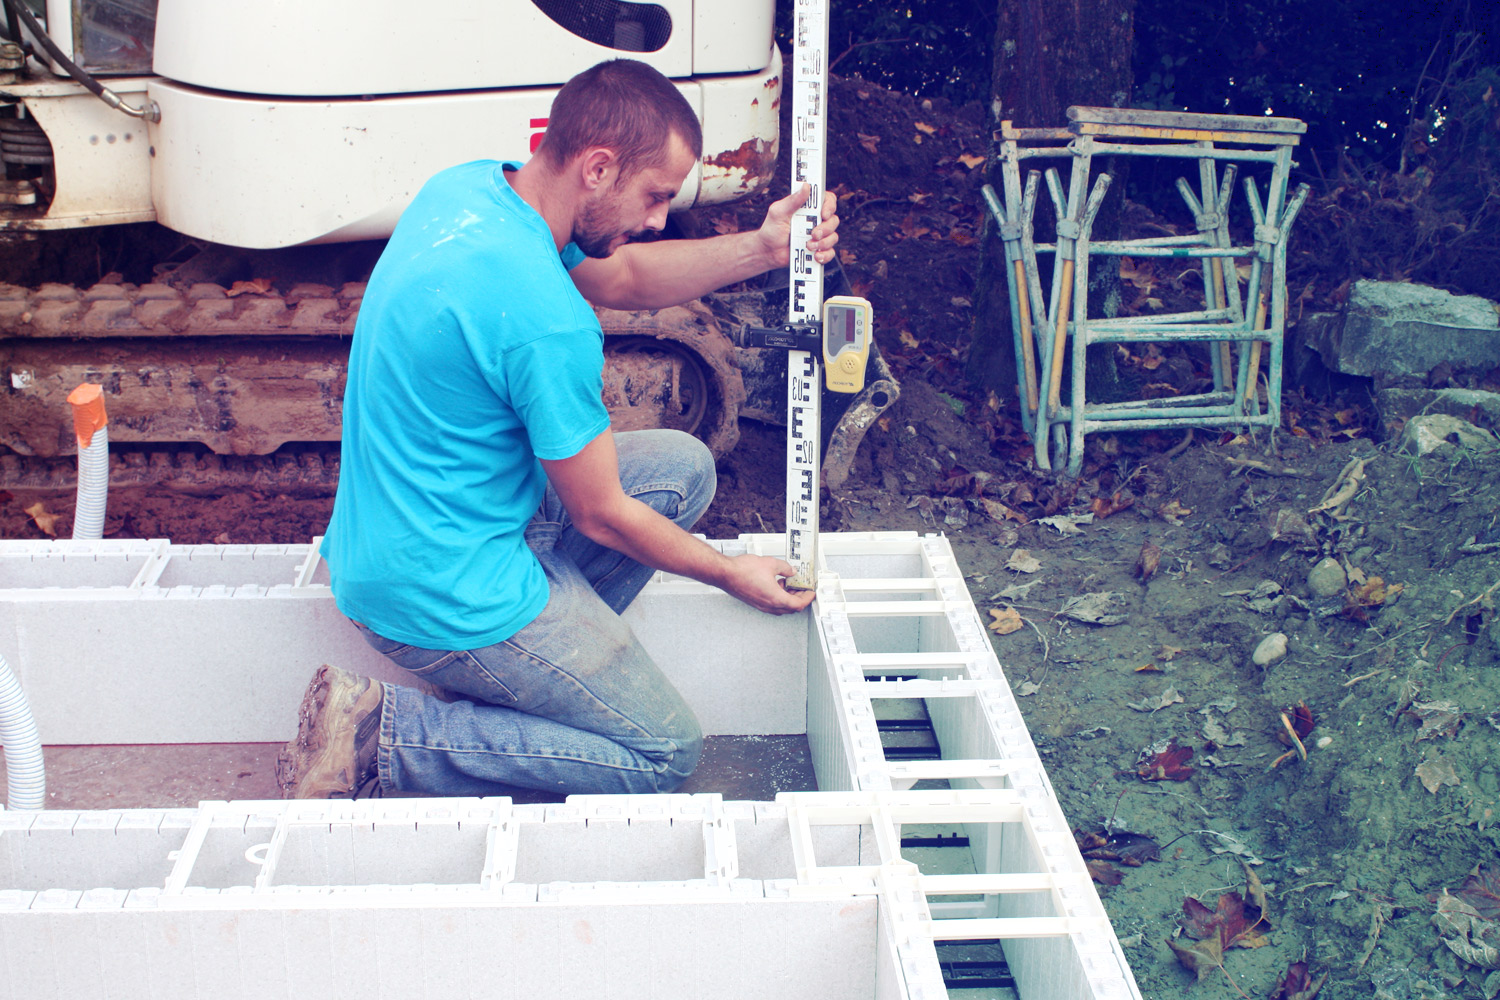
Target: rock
(1397, 404)
(1271, 649)
(1327, 578)
(1433, 430)
(1404, 329)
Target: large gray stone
(1401, 329)
(1397, 404)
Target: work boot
(338, 738)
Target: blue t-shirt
(473, 356)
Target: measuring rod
(805, 302)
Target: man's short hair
(623, 105)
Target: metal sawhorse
(1058, 429)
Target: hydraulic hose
(91, 425)
(25, 779)
(150, 112)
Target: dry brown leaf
(998, 511)
(1169, 653)
(1172, 512)
(1435, 772)
(847, 257)
(871, 143)
(911, 229)
(256, 286)
(47, 522)
(1022, 561)
(1006, 621)
(906, 338)
(885, 423)
(926, 128)
(1147, 668)
(970, 160)
(1147, 561)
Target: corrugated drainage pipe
(26, 784)
(92, 427)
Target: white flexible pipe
(26, 783)
(91, 424)
(93, 487)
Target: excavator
(281, 142)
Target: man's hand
(776, 231)
(756, 580)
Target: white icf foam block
(813, 895)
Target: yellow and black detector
(848, 324)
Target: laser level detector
(847, 322)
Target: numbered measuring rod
(839, 330)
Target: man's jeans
(571, 703)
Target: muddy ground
(1159, 724)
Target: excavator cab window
(616, 24)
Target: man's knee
(681, 761)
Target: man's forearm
(635, 530)
(669, 272)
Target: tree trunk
(1049, 56)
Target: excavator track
(255, 378)
(295, 470)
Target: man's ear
(598, 166)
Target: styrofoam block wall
(890, 605)
(148, 642)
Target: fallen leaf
(907, 339)
(1027, 689)
(911, 229)
(871, 143)
(1435, 772)
(1167, 764)
(1481, 890)
(1067, 524)
(847, 257)
(997, 511)
(1016, 591)
(1172, 512)
(1022, 561)
(1298, 984)
(1168, 697)
(1438, 718)
(1121, 500)
(1148, 668)
(1092, 608)
(1202, 957)
(256, 286)
(1147, 561)
(963, 238)
(1467, 934)
(1006, 621)
(1169, 653)
(1103, 872)
(925, 128)
(885, 423)
(47, 522)
(970, 160)
(1372, 594)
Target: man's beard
(594, 230)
